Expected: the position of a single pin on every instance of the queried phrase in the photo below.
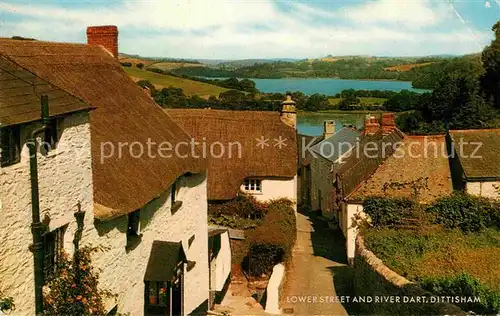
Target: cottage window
(252, 186)
(133, 233)
(53, 243)
(50, 138)
(163, 298)
(10, 142)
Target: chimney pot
(371, 125)
(328, 128)
(288, 112)
(106, 36)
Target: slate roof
(123, 114)
(226, 174)
(411, 172)
(333, 147)
(478, 163)
(20, 92)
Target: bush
(388, 211)
(464, 285)
(6, 303)
(467, 212)
(140, 65)
(73, 290)
(272, 242)
(126, 64)
(243, 206)
(158, 71)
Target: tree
(490, 81)
(316, 102)
(140, 65)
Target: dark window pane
(10, 143)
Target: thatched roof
(479, 154)
(20, 92)
(226, 174)
(419, 170)
(124, 114)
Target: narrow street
(318, 272)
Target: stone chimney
(106, 36)
(388, 123)
(371, 125)
(328, 128)
(288, 112)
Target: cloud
(250, 29)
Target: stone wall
(373, 278)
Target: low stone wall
(372, 278)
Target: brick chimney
(388, 123)
(328, 128)
(371, 125)
(106, 36)
(288, 112)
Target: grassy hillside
(170, 65)
(190, 87)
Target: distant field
(135, 60)
(170, 66)
(190, 87)
(363, 101)
(407, 67)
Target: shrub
(126, 64)
(464, 285)
(272, 242)
(388, 211)
(6, 303)
(467, 212)
(73, 290)
(140, 65)
(158, 71)
(243, 206)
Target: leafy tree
(490, 81)
(140, 65)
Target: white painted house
(149, 211)
(260, 150)
(474, 163)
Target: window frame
(51, 135)
(133, 228)
(13, 145)
(252, 186)
(52, 254)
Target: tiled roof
(480, 153)
(412, 171)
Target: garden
(270, 232)
(449, 248)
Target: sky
(240, 29)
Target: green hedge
(465, 285)
(272, 242)
(243, 206)
(388, 211)
(467, 212)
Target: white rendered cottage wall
(277, 188)
(489, 189)
(123, 271)
(65, 178)
(223, 263)
(351, 213)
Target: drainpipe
(36, 225)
